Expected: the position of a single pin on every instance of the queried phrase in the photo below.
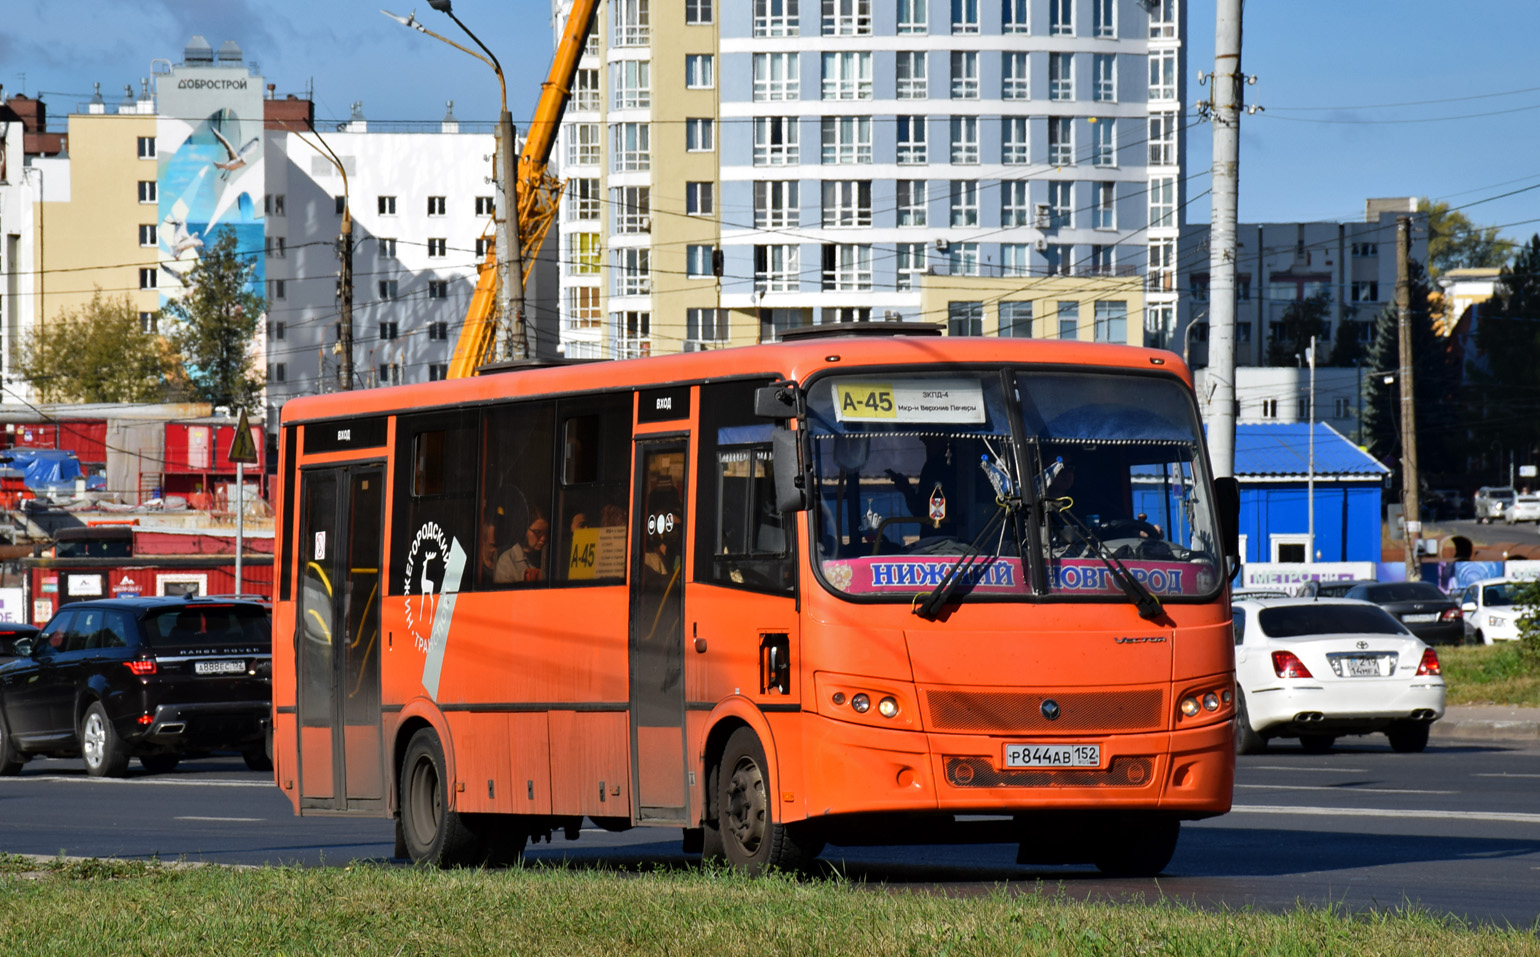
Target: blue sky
(1328, 75)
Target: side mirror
(1469, 606)
(20, 647)
(1227, 498)
(777, 401)
(791, 484)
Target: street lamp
(510, 260)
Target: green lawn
(1489, 674)
(96, 907)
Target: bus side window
(742, 540)
(594, 461)
(516, 524)
(436, 468)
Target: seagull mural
(234, 158)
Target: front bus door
(657, 631)
(342, 517)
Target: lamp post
(510, 258)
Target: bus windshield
(1056, 481)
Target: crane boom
(536, 193)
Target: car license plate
(1361, 667)
(219, 667)
(1431, 616)
(1053, 755)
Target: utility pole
(1225, 110)
(1411, 517)
(1310, 554)
(510, 256)
(345, 295)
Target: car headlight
(1493, 621)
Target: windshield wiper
(1149, 606)
(929, 605)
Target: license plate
(1361, 667)
(1053, 755)
(219, 667)
(1433, 616)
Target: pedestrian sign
(242, 449)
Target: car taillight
(1288, 665)
(142, 666)
(1429, 663)
(1450, 614)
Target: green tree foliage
(216, 321)
(1454, 242)
(1302, 319)
(97, 353)
(1503, 387)
(1527, 603)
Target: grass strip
(105, 907)
(1488, 675)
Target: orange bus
(884, 587)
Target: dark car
(152, 678)
(1336, 589)
(10, 633)
(1426, 611)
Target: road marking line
(1444, 814)
(1281, 767)
(1343, 788)
(238, 820)
(136, 781)
(1504, 774)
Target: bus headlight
(861, 703)
(887, 707)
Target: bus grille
(976, 772)
(1017, 712)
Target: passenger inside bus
(522, 562)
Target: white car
(1525, 508)
(1317, 669)
(1491, 611)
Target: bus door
(657, 631)
(338, 653)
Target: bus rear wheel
(751, 839)
(433, 833)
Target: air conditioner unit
(1042, 245)
(1041, 215)
(942, 245)
(645, 224)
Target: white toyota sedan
(1317, 669)
(1491, 611)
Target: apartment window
(1015, 17)
(388, 330)
(697, 12)
(1362, 250)
(1160, 273)
(776, 77)
(385, 205)
(1104, 81)
(585, 91)
(147, 277)
(632, 149)
(437, 205)
(1015, 204)
(847, 267)
(148, 321)
(582, 150)
(583, 254)
(847, 139)
(699, 71)
(1016, 319)
(1162, 19)
(911, 202)
(438, 247)
(1058, 258)
(699, 135)
(697, 261)
(147, 234)
(965, 139)
(776, 204)
(632, 332)
(1103, 152)
(1015, 78)
(389, 289)
(776, 141)
(1069, 320)
(631, 84)
(1100, 262)
(486, 205)
(1061, 205)
(965, 16)
(633, 271)
(273, 204)
(775, 18)
(280, 372)
(438, 371)
(911, 140)
(1162, 201)
(847, 76)
(583, 198)
(1111, 320)
(912, 83)
(278, 289)
(438, 289)
(147, 192)
(631, 23)
(847, 18)
(847, 203)
(276, 247)
(963, 259)
(704, 329)
(1366, 291)
(1061, 76)
(1104, 206)
(776, 268)
(965, 75)
(146, 147)
(1014, 149)
(1061, 18)
(913, 16)
(1269, 408)
(1163, 139)
(965, 202)
(1340, 408)
(631, 209)
(1061, 141)
(1015, 259)
(481, 248)
(386, 245)
(390, 374)
(699, 199)
(965, 318)
(911, 265)
(583, 307)
(1162, 74)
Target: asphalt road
(1455, 830)
(1491, 541)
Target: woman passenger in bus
(522, 562)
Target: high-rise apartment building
(1003, 167)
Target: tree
(99, 352)
(216, 322)
(1454, 242)
(1302, 319)
(1503, 394)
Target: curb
(1485, 730)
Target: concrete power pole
(1226, 113)
(510, 252)
(1411, 517)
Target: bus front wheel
(1138, 846)
(751, 839)
(432, 832)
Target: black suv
(153, 678)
